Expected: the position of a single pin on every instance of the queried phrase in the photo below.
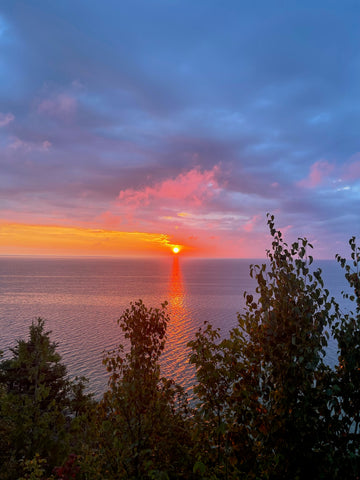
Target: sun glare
(176, 250)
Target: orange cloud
(39, 239)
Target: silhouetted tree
(264, 390)
(143, 426)
(39, 404)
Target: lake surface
(82, 298)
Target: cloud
(19, 145)
(352, 170)
(192, 188)
(6, 118)
(319, 173)
(46, 145)
(110, 220)
(251, 224)
(58, 106)
(151, 115)
(208, 220)
(320, 118)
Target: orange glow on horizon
(22, 239)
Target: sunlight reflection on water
(180, 331)
(81, 300)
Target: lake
(82, 298)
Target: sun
(176, 249)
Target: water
(81, 300)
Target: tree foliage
(143, 416)
(40, 406)
(346, 387)
(274, 408)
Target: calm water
(81, 300)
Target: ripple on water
(82, 299)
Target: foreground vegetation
(267, 406)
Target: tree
(346, 387)
(143, 430)
(39, 404)
(265, 389)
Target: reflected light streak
(181, 328)
(176, 289)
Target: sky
(129, 127)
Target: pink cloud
(250, 225)
(193, 187)
(319, 172)
(352, 170)
(109, 220)
(46, 145)
(6, 118)
(59, 105)
(20, 145)
(17, 144)
(286, 229)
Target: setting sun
(176, 250)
